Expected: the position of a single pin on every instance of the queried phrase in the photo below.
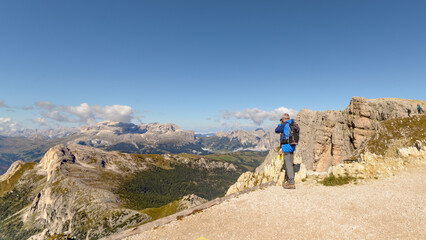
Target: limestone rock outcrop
(270, 170)
(15, 167)
(325, 139)
(329, 137)
(190, 201)
(378, 166)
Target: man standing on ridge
(287, 150)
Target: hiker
(409, 112)
(419, 109)
(287, 150)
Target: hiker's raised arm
(280, 128)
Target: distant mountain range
(40, 133)
(152, 138)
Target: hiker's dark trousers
(289, 167)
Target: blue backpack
(293, 134)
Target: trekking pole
(280, 149)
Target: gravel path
(392, 208)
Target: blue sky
(204, 65)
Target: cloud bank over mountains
(259, 116)
(48, 115)
(6, 124)
(85, 113)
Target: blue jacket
(283, 128)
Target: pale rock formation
(329, 137)
(416, 151)
(190, 201)
(270, 170)
(325, 139)
(377, 166)
(15, 167)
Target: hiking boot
(289, 186)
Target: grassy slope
(163, 211)
(155, 189)
(245, 160)
(6, 186)
(11, 202)
(396, 133)
(11, 226)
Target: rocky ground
(388, 208)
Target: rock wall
(377, 166)
(325, 139)
(269, 170)
(329, 137)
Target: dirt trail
(391, 208)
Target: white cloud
(6, 124)
(258, 116)
(2, 104)
(120, 113)
(85, 113)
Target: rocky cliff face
(399, 142)
(270, 170)
(73, 190)
(324, 138)
(329, 137)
